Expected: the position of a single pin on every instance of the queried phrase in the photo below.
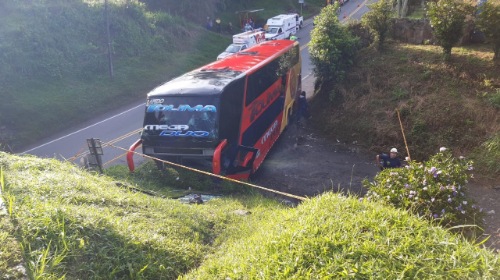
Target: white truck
(282, 26)
(243, 41)
(299, 19)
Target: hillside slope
(455, 105)
(72, 224)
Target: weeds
(494, 98)
(399, 94)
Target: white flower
(464, 202)
(442, 149)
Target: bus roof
(213, 77)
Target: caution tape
(115, 158)
(211, 174)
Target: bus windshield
(192, 117)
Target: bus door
(243, 162)
(235, 161)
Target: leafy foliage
(488, 21)
(447, 19)
(332, 47)
(378, 19)
(434, 189)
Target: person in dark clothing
(303, 107)
(388, 161)
(218, 25)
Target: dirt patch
(305, 163)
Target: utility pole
(110, 57)
(301, 2)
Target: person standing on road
(303, 107)
(218, 25)
(388, 161)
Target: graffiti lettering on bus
(181, 108)
(260, 104)
(166, 127)
(176, 133)
(270, 132)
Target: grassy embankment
(65, 222)
(455, 105)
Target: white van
(281, 27)
(243, 41)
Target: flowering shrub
(434, 189)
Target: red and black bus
(229, 112)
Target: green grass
(417, 13)
(71, 223)
(333, 237)
(65, 222)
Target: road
(121, 127)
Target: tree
(447, 18)
(488, 21)
(332, 47)
(379, 20)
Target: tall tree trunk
(447, 53)
(404, 8)
(398, 8)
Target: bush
(378, 19)
(447, 19)
(435, 190)
(332, 47)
